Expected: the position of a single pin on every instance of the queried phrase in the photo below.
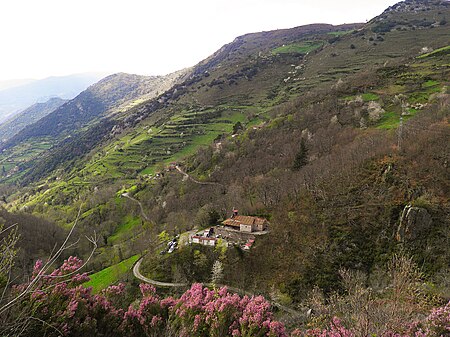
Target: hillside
(28, 116)
(221, 100)
(105, 99)
(17, 98)
(336, 134)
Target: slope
(28, 116)
(108, 97)
(376, 133)
(20, 97)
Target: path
(126, 195)
(195, 180)
(141, 277)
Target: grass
(390, 120)
(423, 96)
(298, 48)
(110, 275)
(124, 228)
(430, 83)
(437, 52)
(340, 32)
(368, 96)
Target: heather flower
(147, 289)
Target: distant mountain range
(20, 94)
(7, 84)
(28, 116)
(100, 99)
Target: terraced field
(148, 148)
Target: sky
(42, 38)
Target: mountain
(20, 97)
(103, 100)
(28, 116)
(14, 83)
(336, 134)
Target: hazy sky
(41, 38)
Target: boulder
(414, 222)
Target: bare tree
(13, 322)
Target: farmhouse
(203, 240)
(245, 223)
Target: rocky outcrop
(414, 221)
(375, 111)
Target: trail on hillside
(126, 195)
(195, 180)
(141, 277)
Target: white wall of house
(209, 242)
(246, 228)
(203, 241)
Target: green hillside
(369, 102)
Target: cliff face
(414, 221)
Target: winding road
(141, 277)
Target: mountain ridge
(28, 116)
(20, 97)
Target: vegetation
(203, 312)
(438, 52)
(111, 275)
(311, 142)
(298, 48)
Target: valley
(331, 141)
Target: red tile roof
(239, 220)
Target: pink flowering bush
(336, 329)
(437, 323)
(149, 317)
(60, 305)
(204, 312)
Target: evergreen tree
(237, 127)
(301, 159)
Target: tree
(217, 273)
(237, 127)
(301, 159)
(17, 306)
(163, 237)
(8, 253)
